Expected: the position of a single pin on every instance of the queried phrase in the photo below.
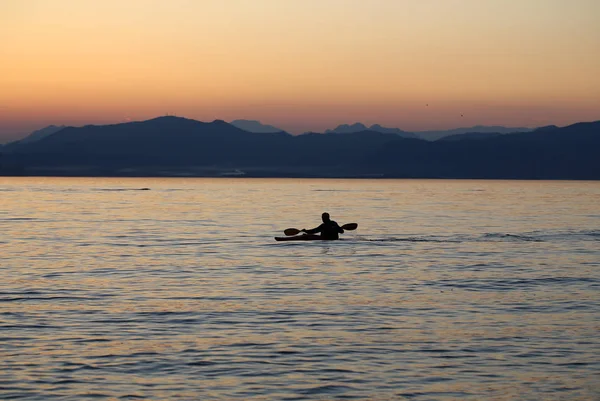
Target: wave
(122, 189)
(410, 239)
(511, 237)
(514, 283)
(535, 236)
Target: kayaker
(329, 230)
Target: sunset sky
(300, 64)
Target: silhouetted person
(329, 230)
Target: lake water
(448, 290)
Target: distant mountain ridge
(347, 128)
(175, 146)
(469, 135)
(359, 127)
(41, 133)
(428, 135)
(480, 129)
(255, 126)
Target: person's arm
(313, 230)
(340, 229)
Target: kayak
(305, 237)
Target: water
(448, 290)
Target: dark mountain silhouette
(163, 141)
(435, 135)
(359, 127)
(564, 153)
(172, 146)
(255, 126)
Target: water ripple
(479, 290)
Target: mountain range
(258, 127)
(175, 146)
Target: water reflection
(448, 290)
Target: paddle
(346, 227)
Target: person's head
(325, 217)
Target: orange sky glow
(300, 64)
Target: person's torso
(329, 230)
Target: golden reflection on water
(448, 289)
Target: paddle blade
(291, 231)
(350, 226)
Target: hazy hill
(359, 127)
(547, 128)
(255, 126)
(41, 133)
(480, 129)
(430, 135)
(347, 128)
(178, 146)
(469, 135)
